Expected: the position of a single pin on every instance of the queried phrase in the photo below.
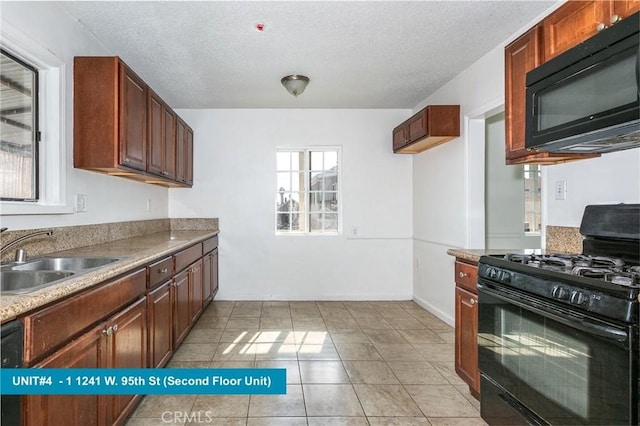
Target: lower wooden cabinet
(126, 348)
(181, 302)
(135, 321)
(467, 339)
(160, 312)
(119, 342)
(195, 289)
(466, 333)
(88, 351)
(209, 276)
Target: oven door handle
(576, 321)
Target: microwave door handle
(638, 74)
(582, 323)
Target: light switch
(81, 203)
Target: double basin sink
(37, 273)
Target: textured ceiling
(358, 54)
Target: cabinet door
(181, 317)
(207, 284)
(87, 351)
(155, 146)
(399, 136)
(521, 56)
(418, 126)
(181, 151)
(126, 348)
(467, 339)
(169, 143)
(214, 273)
(189, 157)
(160, 312)
(573, 23)
(195, 286)
(133, 120)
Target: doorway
(512, 195)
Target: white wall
(448, 200)
(613, 178)
(448, 179)
(110, 199)
(234, 174)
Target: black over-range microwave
(587, 99)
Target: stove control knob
(560, 292)
(577, 298)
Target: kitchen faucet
(20, 254)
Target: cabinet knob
(462, 275)
(108, 331)
(163, 270)
(115, 327)
(615, 19)
(472, 301)
(601, 26)
(126, 160)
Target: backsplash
(563, 239)
(69, 237)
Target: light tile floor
(348, 363)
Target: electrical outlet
(561, 190)
(354, 231)
(81, 203)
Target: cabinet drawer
(187, 256)
(59, 323)
(467, 276)
(209, 245)
(160, 271)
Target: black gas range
(558, 333)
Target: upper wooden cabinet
(121, 127)
(576, 21)
(184, 153)
(161, 139)
(434, 125)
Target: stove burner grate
(604, 268)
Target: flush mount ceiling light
(295, 84)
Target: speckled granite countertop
(473, 255)
(137, 251)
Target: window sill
(8, 208)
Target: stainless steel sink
(37, 273)
(18, 282)
(64, 263)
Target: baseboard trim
(435, 311)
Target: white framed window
(48, 196)
(19, 132)
(307, 199)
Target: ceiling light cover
(295, 84)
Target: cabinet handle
(163, 270)
(615, 19)
(601, 26)
(462, 275)
(472, 301)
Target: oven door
(551, 364)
